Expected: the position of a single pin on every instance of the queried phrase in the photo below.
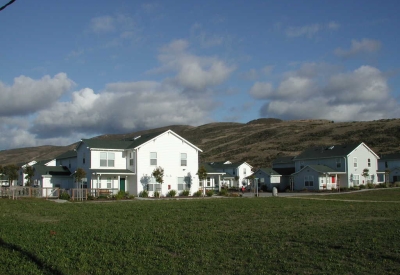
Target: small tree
(79, 175)
(202, 174)
(365, 174)
(158, 174)
(30, 172)
(11, 171)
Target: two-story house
(127, 165)
(235, 173)
(390, 164)
(320, 168)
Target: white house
(235, 173)
(391, 164)
(328, 167)
(215, 179)
(22, 176)
(127, 165)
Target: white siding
(168, 148)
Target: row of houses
(127, 165)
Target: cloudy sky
(76, 69)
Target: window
(153, 158)
(153, 185)
(309, 181)
(338, 163)
(183, 159)
(108, 182)
(355, 162)
(302, 165)
(107, 159)
(184, 183)
(131, 159)
(369, 162)
(244, 171)
(386, 164)
(262, 180)
(208, 182)
(84, 158)
(356, 180)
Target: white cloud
(27, 95)
(262, 90)
(204, 38)
(357, 47)
(193, 73)
(362, 94)
(102, 24)
(310, 30)
(122, 107)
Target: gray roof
(210, 169)
(327, 151)
(112, 171)
(68, 154)
(268, 171)
(221, 165)
(51, 170)
(393, 156)
(284, 159)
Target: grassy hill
(257, 142)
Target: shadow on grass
(26, 254)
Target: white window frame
(301, 164)
(208, 181)
(109, 183)
(184, 183)
(152, 185)
(355, 164)
(369, 162)
(356, 180)
(107, 159)
(183, 159)
(244, 170)
(153, 158)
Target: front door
(122, 184)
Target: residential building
(321, 168)
(235, 173)
(127, 165)
(390, 165)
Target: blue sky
(77, 69)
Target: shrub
(64, 196)
(144, 194)
(209, 193)
(234, 195)
(120, 195)
(395, 184)
(343, 189)
(381, 185)
(184, 193)
(264, 188)
(223, 192)
(171, 193)
(370, 185)
(362, 186)
(197, 194)
(156, 194)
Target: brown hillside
(257, 142)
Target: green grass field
(203, 236)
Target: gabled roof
(52, 170)
(226, 165)
(127, 144)
(321, 169)
(284, 159)
(68, 154)
(210, 169)
(268, 171)
(330, 151)
(393, 156)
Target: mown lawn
(204, 236)
(392, 194)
